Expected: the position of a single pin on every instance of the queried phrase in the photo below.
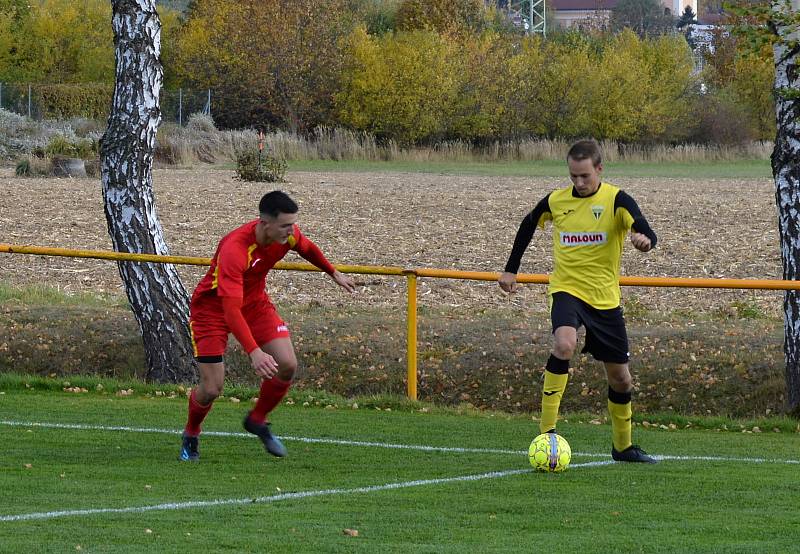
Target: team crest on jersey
(583, 239)
(598, 211)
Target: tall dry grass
(201, 142)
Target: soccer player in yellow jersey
(590, 222)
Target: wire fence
(176, 105)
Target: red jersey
(240, 266)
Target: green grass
(45, 295)
(744, 169)
(731, 504)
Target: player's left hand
(640, 242)
(344, 281)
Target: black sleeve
(640, 224)
(525, 234)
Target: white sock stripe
(275, 498)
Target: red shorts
(210, 332)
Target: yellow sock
(620, 424)
(552, 391)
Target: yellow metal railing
(411, 276)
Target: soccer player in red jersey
(232, 298)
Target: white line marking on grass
(249, 436)
(422, 447)
(276, 498)
(727, 459)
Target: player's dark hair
(586, 149)
(275, 203)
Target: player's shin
(271, 393)
(197, 413)
(619, 407)
(556, 374)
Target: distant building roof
(564, 5)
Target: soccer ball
(549, 452)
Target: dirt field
(712, 228)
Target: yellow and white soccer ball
(549, 452)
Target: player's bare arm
(343, 281)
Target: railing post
(411, 334)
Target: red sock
(197, 413)
(272, 392)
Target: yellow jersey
(588, 236)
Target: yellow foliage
(485, 80)
(400, 86)
(752, 88)
(63, 41)
(442, 16)
(270, 62)
(566, 90)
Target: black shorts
(606, 337)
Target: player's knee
(287, 370)
(621, 383)
(211, 391)
(564, 348)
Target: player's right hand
(264, 364)
(508, 281)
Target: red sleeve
(232, 309)
(311, 252)
(231, 265)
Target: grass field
(742, 169)
(98, 472)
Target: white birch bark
(786, 172)
(156, 295)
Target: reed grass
(202, 143)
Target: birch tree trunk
(155, 293)
(786, 171)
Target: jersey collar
(575, 192)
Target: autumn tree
(740, 75)
(378, 16)
(644, 17)
(58, 41)
(551, 104)
(155, 293)
(442, 16)
(687, 18)
(271, 63)
(485, 82)
(400, 86)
